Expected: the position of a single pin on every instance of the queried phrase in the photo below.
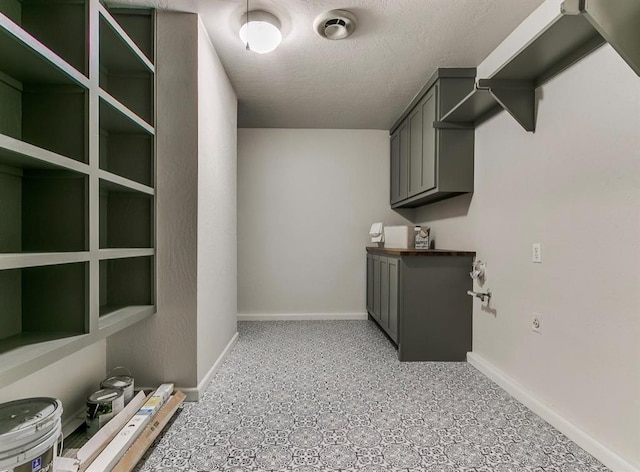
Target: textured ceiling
(364, 81)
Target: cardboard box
(400, 237)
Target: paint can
(120, 377)
(101, 407)
(30, 430)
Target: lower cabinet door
(369, 283)
(384, 292)
(393, 297)
(375, 312)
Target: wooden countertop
(418, 252)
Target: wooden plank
(87, 453)
(150, 433)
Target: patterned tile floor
(331, 395)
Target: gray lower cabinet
(418, 298)
(431, 160)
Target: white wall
(217, 197)
(195, 167)
(70, 379)
(306, 201)
(574, 186)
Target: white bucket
(29, 432)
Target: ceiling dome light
(261, 33)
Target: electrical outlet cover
(536, 255)
(536, 323)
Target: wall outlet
(536, 254)
(536, 323)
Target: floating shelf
(576, 31)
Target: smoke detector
(335, 24)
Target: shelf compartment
(126, 286)
(139, 24)
(126, 217)
(49, 301)
(42, 211)
(48, 116)
(125, 72)
(129, 155)
(60, 24)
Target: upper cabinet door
(404, 161)
(429, 108)
(395, 167)
(415, 151)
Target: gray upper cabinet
(434, 159)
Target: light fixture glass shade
(262, 32)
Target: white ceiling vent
(335, 24)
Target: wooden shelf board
(27, 352)
(559, 45)
(121, 184)
(22, 260)
(115, 117)
(118, 51)
(108, 254)
(565, 40)
(16, 153)
(475, 106)
(116, 318)
(26, 59)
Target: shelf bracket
(516, 96)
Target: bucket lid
(28, 418)
(119, 381)
(104, 395)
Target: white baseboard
(72, 422)
(573, 432)
(302, 316)
(194, 394)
